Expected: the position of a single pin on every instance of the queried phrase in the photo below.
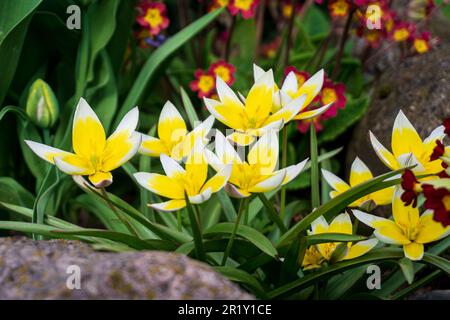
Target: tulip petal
(172, 168)
(269, 184)
(341, 224)
(258, 72)
(265, 153)
(45, 152)
(288, 112)
(385, 156)
(160, 184)
(219, 180)
(414, 251)
(120, 148)
(320, 225)
(228, 112)
(312, 113)
(151, 146)
(360, 248)
(431, 230)
(88, 135)
(197, 166)
(236, 192)
(258, 103)
(386, 230)
(290, 85)
(403, 215)
(334, 181)
(241, 138)
(225, 151)
(312, 87)
(201, 197)
(227, 95)
(168, 206)
(293, 171)
(405, 138)
(359, 172)
(73, 165)
(101, 179)
(171, 126)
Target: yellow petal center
(153, 17)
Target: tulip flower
(42, 105)
(257, 174)
(291, 90)
(408, 228)
(408, 148)
(94, 155)
(178, 181)
(251, 117)
(319, 253)
(359, 173)
(173, 137)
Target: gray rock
(37, 270)
(433, 295)
(420, 86)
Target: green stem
(196, 230)
(118, 215)
(242, 206)
(283, 165)
(344, 38)
(273, 214)
(179, 220)
(315, 192)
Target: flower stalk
(196, 230)
(315, 192)
(243, 204)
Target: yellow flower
(291, 91)
(324, 251)
(408, 148)
(94, 155)
(191, 180)
(258, 173)
(407, 228)
(359, 173)
(251, 117)
(174, 139)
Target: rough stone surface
(420, 86)
(37, 270)
(432, 295)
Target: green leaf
(12, 192)
(332, 237)
(242, 277)
(407, 268)
(344, 119)
(159, 56)
(40, 229)
(124, 238)
(14, 20)
(18, 111)
(227, 205)
(335, 205)
(189, 108)
(252, 235)
(342, 283)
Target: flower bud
(42, 105)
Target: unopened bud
(42, 105)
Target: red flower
(438, 151)
(332, 93)
(339, 8)
(447, 126)
(403, 31)
(269, 50)
(302, 76)
(204, 83)
(438, 200)
(304, 125)
(217, 4)
(224, 70)
(152, 15)
(421, 43)
(411, 187)
(245, 7)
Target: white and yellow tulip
(174, 139)
(178, 181)
(408, 148)
(359, 173)
(316, 255)
(257, 174)
(408, 228)
(290, 91)
(94, 155)
(251, 117)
